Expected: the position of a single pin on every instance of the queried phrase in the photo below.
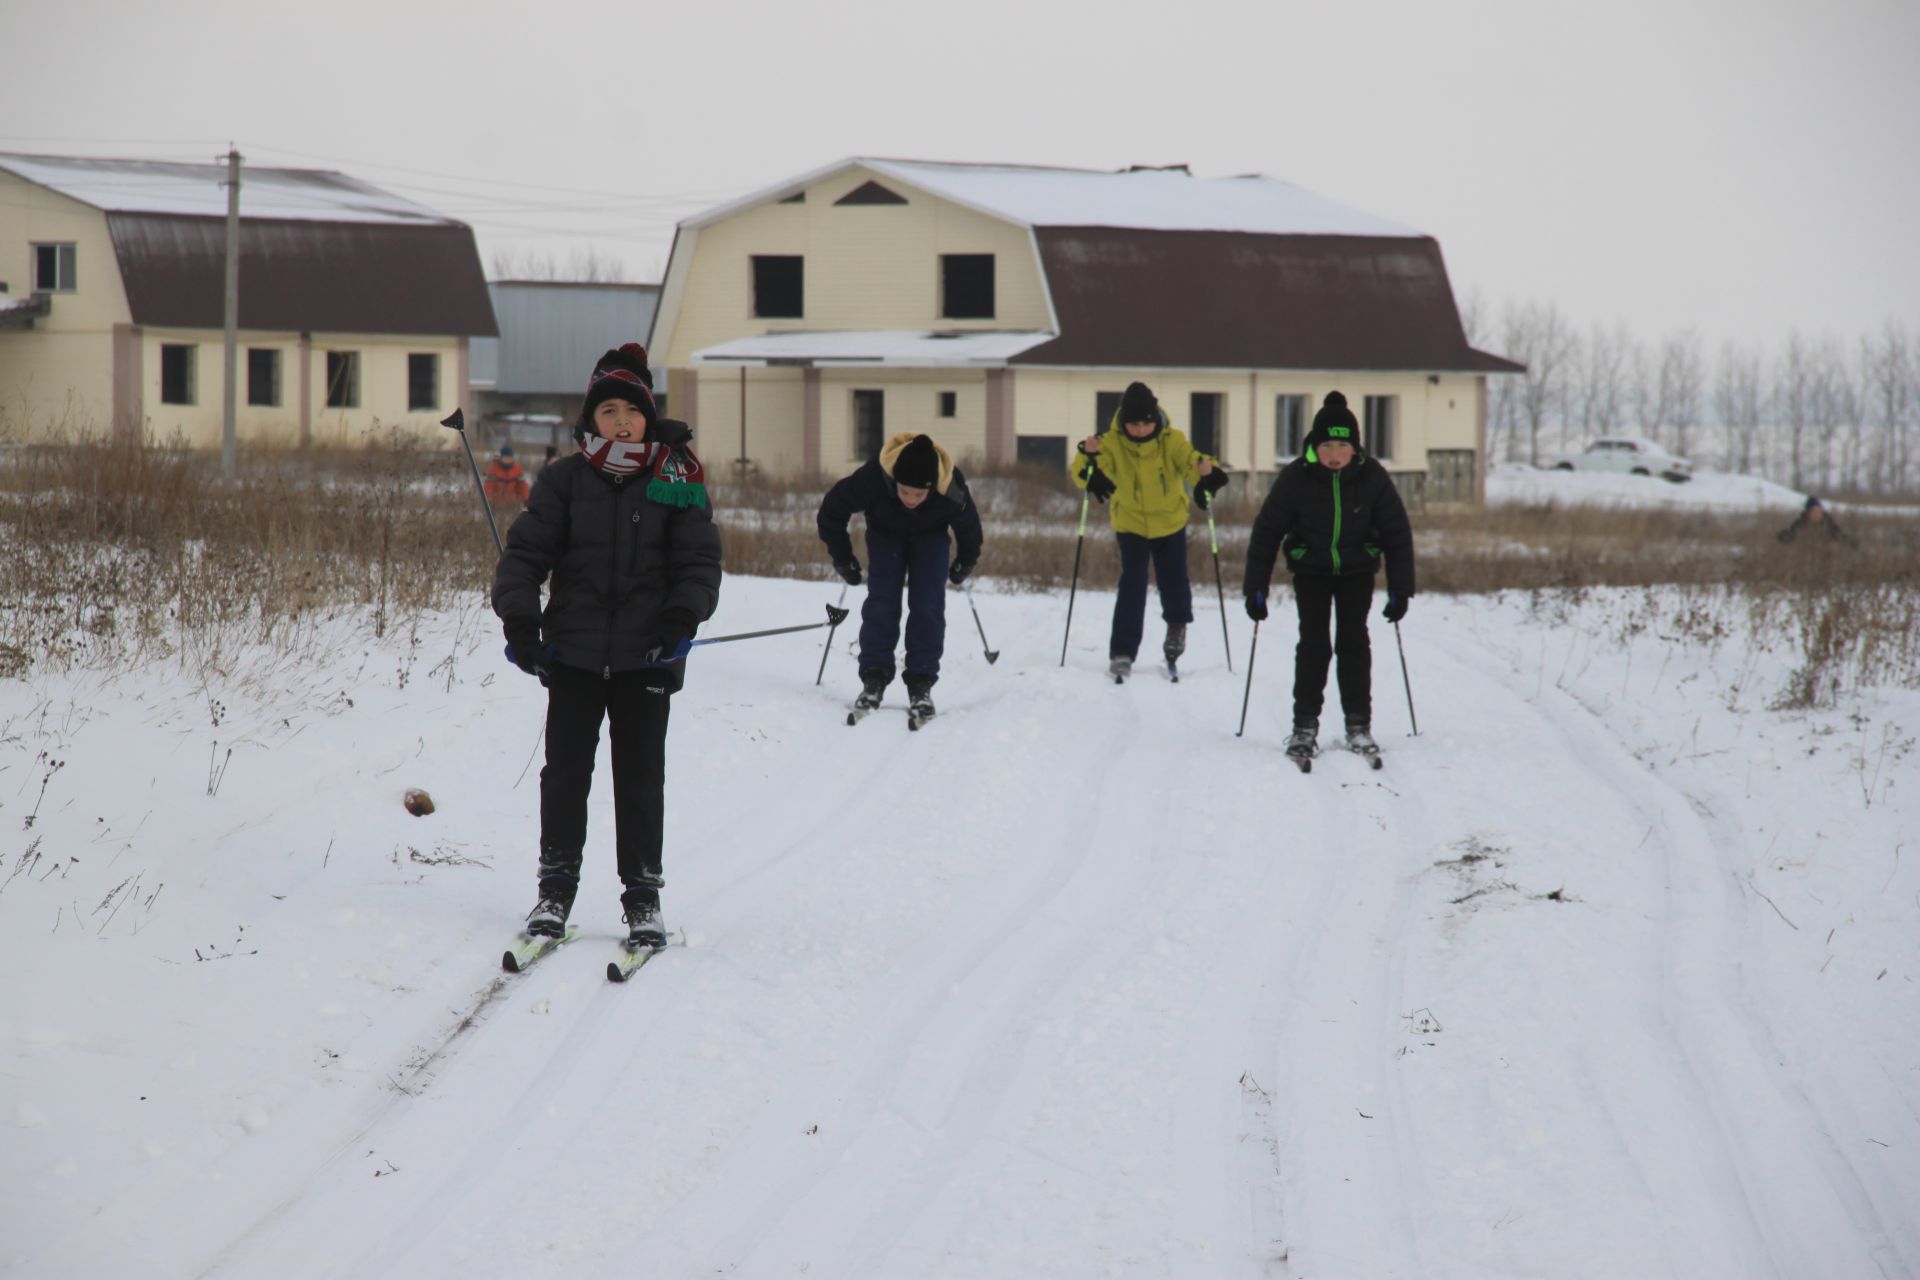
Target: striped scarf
(678, 479)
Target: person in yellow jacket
(1142, 472)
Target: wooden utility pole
(229, 432)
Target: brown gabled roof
(1230, 299)
(310, 276)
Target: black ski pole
(457, 420)
(993, 655)
(835, 616)
(828, 647)
(1079, 543)
(1408, 684)
(1213, 535)
(1245, 697)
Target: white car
(1627, 455)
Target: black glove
(1396, 608)
(1099, 486)
(1257, 606)
(669, 639)
(1209, 484)
(524, 649)
(958, 571)
(848, 569)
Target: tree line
(1819, 414)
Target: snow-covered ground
(1611, 971)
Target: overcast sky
(1738, 167)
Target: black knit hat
(1137, 404)
(1335, 422)
(619, 375)
(918, 464)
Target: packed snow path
(1072, 982)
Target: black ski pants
(1345, 600)
(635, 710)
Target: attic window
(779, 287)
(871, 193)
(53, 268)
(966, 286)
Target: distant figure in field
(1816, 515)
(505, 481)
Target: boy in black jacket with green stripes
(1333, 512)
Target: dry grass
(119, 552)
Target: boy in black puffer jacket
(911, 495)
(624, 531)
(1332, 512)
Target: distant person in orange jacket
(505, 481)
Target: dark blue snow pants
(920, 565)
(1169, 558)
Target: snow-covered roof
(1134, 199)
(917, 348)
(198, 190)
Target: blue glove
(524, 649)
(1396, 608)
(670, 640)
(1257, 606)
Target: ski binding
(527, 948)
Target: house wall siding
(58, 377)
(866, 267)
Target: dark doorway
(1105, 405)
(869, 423)
(1204, 421)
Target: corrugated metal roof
(552, 331)
(199, 190)
(1210, 299)
(345, 277)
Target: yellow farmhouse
(1003, 309)
(355, 305)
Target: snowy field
(1610, 972)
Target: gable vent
(871, 193)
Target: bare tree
(1643, 393)
(1680, 387)
(1537, 335)
(1736, 403)
(1889, 374)
(585, 264)
(1600, 379)
(1794, 395)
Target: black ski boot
(919, 700)
(1360, 742)
(1120, 669)
(873, 687)
(548, 919)
(640, 908)
(1176, 642)
(559, 880)
(1303, 744)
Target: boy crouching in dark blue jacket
(911, 495)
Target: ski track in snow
(1073, 982)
